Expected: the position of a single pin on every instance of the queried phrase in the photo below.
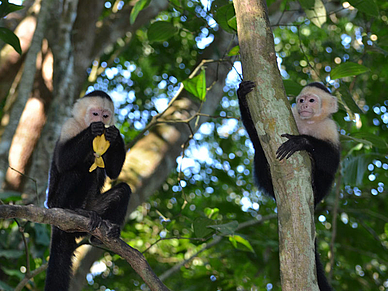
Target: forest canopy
(172, 69)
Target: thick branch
(71, 222)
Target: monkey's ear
(333, 105)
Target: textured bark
(291, 178)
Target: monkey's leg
(111, 206)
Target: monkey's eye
(105, 115)
(312, 100)
(301, 100)
(95, 113)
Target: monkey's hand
(245, 88)
(111, 133)
(95, 219)
(97, 128)
(293, 144)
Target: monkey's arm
(115, 155)
(262, 173)
(325, 157)
(245, 88)
(69, 153)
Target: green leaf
(317, 14)
(6, 8)
(139, 6)
(10, 38)
(292, 88)
(223, 15)
(234, 51)
(307, 4)
(11, 254)
(200, 226)
(353, 169)
(42, 235)
(375, 140)
(161, 31)
(234, 239)
(227, 228)
(347, 69)
(348, 100)
(233, 23)
(197, 85)
(386, 229)
(366, 6)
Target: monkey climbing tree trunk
(272, 117)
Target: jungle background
(195, 212)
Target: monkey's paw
(97, 128)
(113, 229)
(111, 133)
(244, 88)
(293, 144)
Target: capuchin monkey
(72, 186)
(318, 136)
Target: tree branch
(69, 221)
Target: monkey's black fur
(72, 186)
(325, 157)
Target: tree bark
(272, 117)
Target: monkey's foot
(113, 229)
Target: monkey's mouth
(305, 113)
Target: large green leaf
(366, 6)
(197, 85)
(317, 14)
(375, 140)
(224, 15)
(234, 239)
(9, 37)
(227, 228)
(161, 31)
(6, 8)
(201, 226)
(292, 88)
(347, 69)
(139, 6)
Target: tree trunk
(291, 178)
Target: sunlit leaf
(233, 23)
(139, 6)
(211, 213)
(161, 31)
(386, 229)
(234, 239)
(234, 51)
(347, 69)
(197, 85)
(367, 6)
(10, 38)
(227, 228)
(317, 14)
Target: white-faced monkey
(318, 136)
(73, 186)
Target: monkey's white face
(308, 106)
(95, 114)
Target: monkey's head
(93, 107)
(315, 102)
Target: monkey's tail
(323, 284)
(59, 267)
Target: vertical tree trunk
(272, 117)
